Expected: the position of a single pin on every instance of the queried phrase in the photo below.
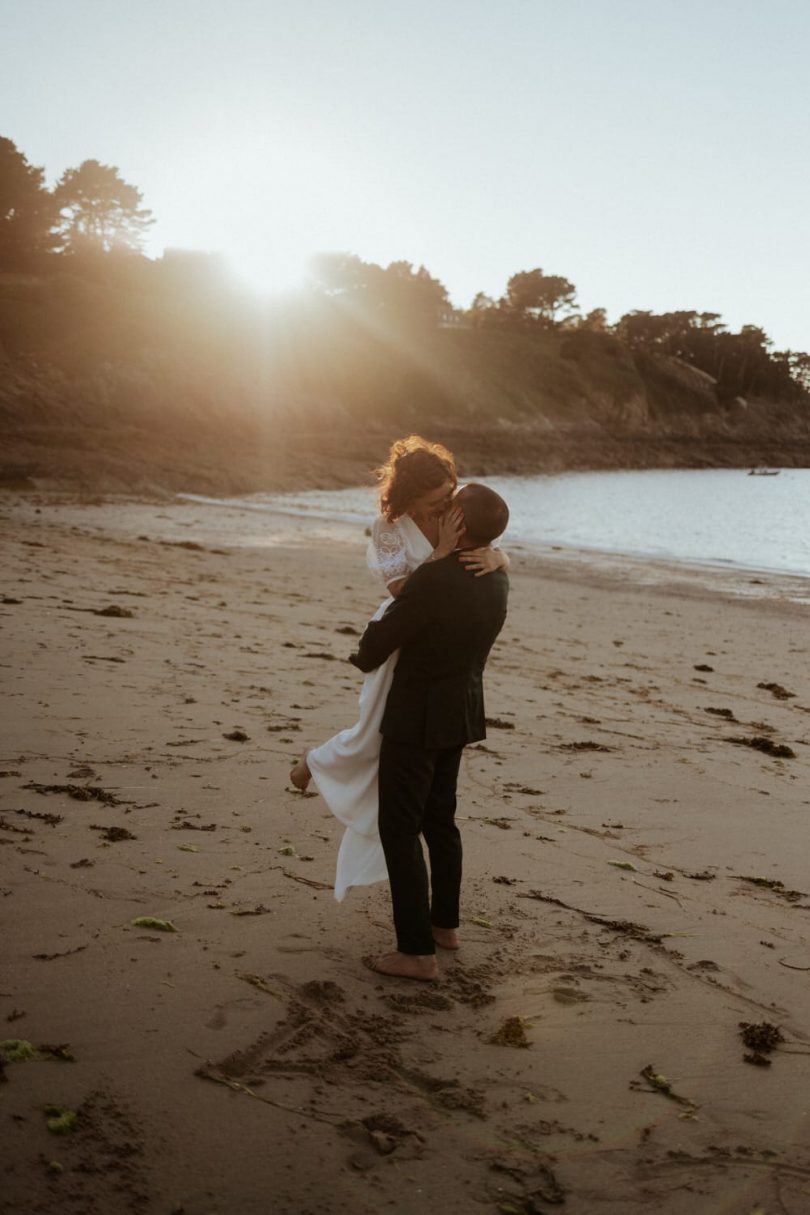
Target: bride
(417, 523)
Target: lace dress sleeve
(387, 555)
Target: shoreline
(173, 522)
(635, 889)
(545, 550)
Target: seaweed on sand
(766, 745)
(761, 1038)
(80, 793)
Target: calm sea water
(720, 517)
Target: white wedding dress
(344, 769)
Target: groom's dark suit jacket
(444, 623)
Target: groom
(443, 623)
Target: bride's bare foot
(406, 965)
(446, 937)
(301, 775)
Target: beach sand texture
(636, 887)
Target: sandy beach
(636, 890)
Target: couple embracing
(392, 777)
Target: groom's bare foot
(406, 965)
(446, 937)
(301, 776)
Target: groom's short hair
(485, 513)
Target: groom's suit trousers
(417, 796)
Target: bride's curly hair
(414, 467)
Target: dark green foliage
(395, 295)
(532, 295)
(740, 363)
(27, 210)
(98, 210)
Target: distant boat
(764, 472)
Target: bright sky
(655, 152)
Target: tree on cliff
(99, 210)
(396, 292)
(27, 209)
(798, 366)
(741, 363)
(531, 293)
(595, 321)
(484, 312)
(679, 333)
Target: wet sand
(636, 888)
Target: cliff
(132, 380)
